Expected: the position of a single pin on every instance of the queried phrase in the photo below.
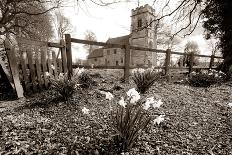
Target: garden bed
(197, 121)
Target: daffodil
(134, 95)
(109, 96)
(159, 119)
(122, 102)
(157, 104)
(148, 102)
(85, 110)
(230, 104)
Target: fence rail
(34, 63)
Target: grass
(197, 122)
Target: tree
(89, 35)
(164, 36)
(62, 25)
(191, 47)
(14, 14)
(218, 23)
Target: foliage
(144, 79)
(25, 16)
(206, 78)
(64, 86)
(218, 24)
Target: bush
(144, 79)
(206, 78)
(85, 80)
(63, 86)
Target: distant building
(139, 36)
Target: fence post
(127, 63)
(69, 54)
(14, 68)
(191, 62)
(167, 64)
(63, 56)
(211, 62)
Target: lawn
(197, 121)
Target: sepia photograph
(115, 77)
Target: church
(142, 34)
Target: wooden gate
(36, 62)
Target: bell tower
(143, 34)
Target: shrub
(85, 80)
(144, 79)
(206, 78)
(63, 86)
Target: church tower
(143, 34)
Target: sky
(113, 21)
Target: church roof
(119, 40)
(96, 53)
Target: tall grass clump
(145, 78)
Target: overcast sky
(113, 21)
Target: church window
(116, 63)
(121, 60)
(95, 59)
(115, 51)
(139, 23)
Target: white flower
(193, 73)
(131, 92)
(47, 74)
(122, 102)
(230, 105)
(109, 96)
(134, 99)
(85, 110)
(210, 73)
(216, 75)
(159, 119)
(157, 104)
(134, 95)
(148, 102)
(220, 72)
(53, 67)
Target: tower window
(116, 63)
(95, 59)
(121, 60)
(115, 51)
(139, 23)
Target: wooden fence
(35, 59)
(129, 48)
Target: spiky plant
(144, 79)
(64, 86)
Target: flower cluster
(205, 78)
(130, 117)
